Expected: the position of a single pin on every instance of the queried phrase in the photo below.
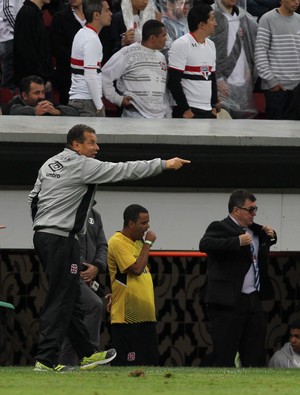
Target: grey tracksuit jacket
(64, 190)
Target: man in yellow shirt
(133, 319)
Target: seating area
(111, 110)
(5, 95)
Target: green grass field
(148, 381)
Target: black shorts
(136, 344)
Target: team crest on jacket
(205, 71)
(74, 268)
(131, 356)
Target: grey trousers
(86, 108)
(92, 306)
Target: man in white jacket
(140, 73)
(8, 12)
(289, 354)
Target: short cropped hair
(132, 212)
(89, 7)
(197, 14)
(295, 324)
(152, 26)
(76, 134)
(238, 198)
(27, 81)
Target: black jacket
(117, 29)
(62, 31)
(228, 262)
(31, 44)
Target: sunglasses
(250, 210)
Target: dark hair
(237, 198)
(198, 2)
(132, 213)
(89, 7)
(197, 14)
(76, 134)
(152, 26)
(295, 324)
(27, 81)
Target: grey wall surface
(178, 218)
(263, 156)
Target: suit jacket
(228, 262)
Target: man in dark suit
(237, 281)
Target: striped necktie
(256, 268)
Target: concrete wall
(179, 218)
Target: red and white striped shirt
(86, 60)
(197, 61)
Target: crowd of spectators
(36, 39)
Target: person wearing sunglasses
(237, 280)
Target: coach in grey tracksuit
(62, 196)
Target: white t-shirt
(241, 71)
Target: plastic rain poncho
(234, 38)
